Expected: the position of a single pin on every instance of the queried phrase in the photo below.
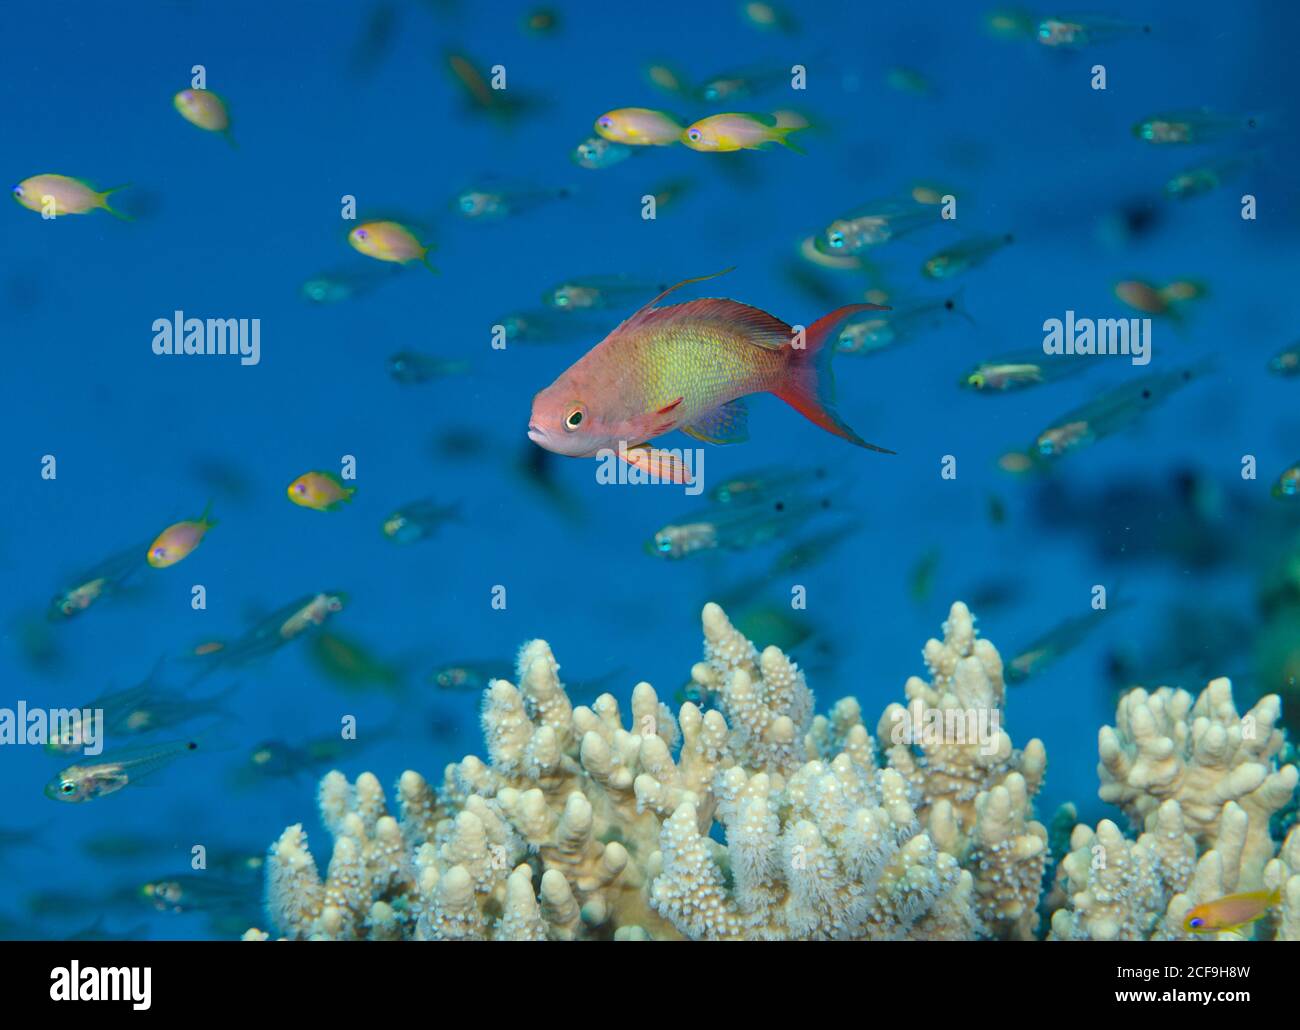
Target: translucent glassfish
(963, 256)
(271, 632)
(337, 286)
(496, 203)
(873, 332)
(412, 367)
(1286, 362)
(1021, 370)
(469, 676)
(738, 85)
(1195, 182)
(1114, 410)
(546, 325)
(419, 520)
(766, 484)
(112, 773)
(1056, 642)
(590, 292)
(144, 708)
(104, 579)
(1076, 33)
(1199, 126)
(597, 153)
(735, 528)
(874, 224)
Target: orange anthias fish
(687, 366)
(1231, 912)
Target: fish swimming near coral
(1229, 914)
(688, 366)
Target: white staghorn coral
(758, 820)
(1200, 753)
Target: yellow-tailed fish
(1020, 370)
(320, 491)
(909, 80)
(768, 17)
(1011, 23)
(1158, 300)
(390, 241)
(639, 127)
(725, 133)
(1200, 126)
(1231, 912)
(177, 541)
(501, 104)
(668, 79)
(205, 109)
(1074, 33)
(687, 366)
(111, 773)
(63, 195)
(349, 662)
(961, 257)
(541, 22)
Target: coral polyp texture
(747, 816)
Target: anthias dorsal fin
(685, 282)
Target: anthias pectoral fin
(663, 465)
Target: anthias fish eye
(67, 787)
(835, 239)
(1197, 923)
(573, 419)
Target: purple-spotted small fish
(177, 541)
(1230, 912)
(320, 491)
(687, 366)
